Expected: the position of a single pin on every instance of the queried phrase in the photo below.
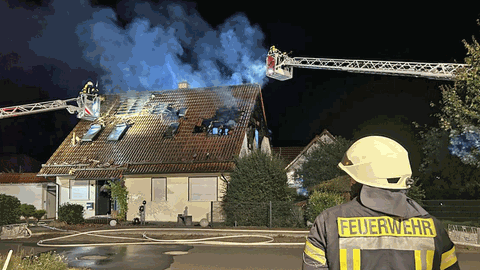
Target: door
(102, 201)
(51, 199)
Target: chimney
(183, 85)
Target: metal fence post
(270, 214)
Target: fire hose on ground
(146, 240)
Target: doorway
(102, 199)
(51, 201)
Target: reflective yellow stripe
(430, 255)
(356, 259)
(315, 253)
(448, 259)
(418, 260)
(343, 259)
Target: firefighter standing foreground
(381, 228)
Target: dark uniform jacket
(380, 229)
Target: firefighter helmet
(378, 162)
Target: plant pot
(114, 213)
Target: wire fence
(262, 214)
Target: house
(31, 189)
(172, 148)
(295, 157)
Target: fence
(455, 210)
(262, 214)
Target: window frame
(152, 193)
(72, 184)
(190, 189)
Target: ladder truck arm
(280, 66)
(88, 105)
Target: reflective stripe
(418, 260)
(388, 242)
(356, 259)
(448, 259)
(350, 259)
(315, 253)
(430, 255)
(343, 259)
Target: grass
(45, 261)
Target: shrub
(320, 201)
(39, 214)
(27, 211)
(9, 210)
(71, 213)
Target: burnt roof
(145, 148)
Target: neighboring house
(173, 149)
(295, 156)
(31, 189)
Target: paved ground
(170, 256)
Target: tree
(443, 175)
(257, 180)
(119, 193)
(27, 211)
(460, 108)
(258, 177)
(9, 210)
(321, 162)
(39, 214)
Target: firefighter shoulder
(381, 228)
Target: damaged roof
(168, 131)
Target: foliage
(45, 261)
(27, 211)
(319, 201)
(460, 108)
(71, 213)
(39, 214)
(416, 192)
(257, 178)
(443, 175)
(321, 162)
(120, 194)
(9, 210)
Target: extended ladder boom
(37, 107)
(280, 66)
(88, 105)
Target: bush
(320, 201)
(27, 211)
(39, 214)
(71, 213)
(9, 210)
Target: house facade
(172, 149)
(31, 189)
(296, 156)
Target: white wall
(64, 183)
(26, 193)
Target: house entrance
(102, 200)
(51, 197)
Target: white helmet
(378, 162)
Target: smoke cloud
(162, 45)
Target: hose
(149, 241)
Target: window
(117, 132)
(159, 189)
(202, 188)
(92, 133)
(79, 190)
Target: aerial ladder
(280, 66)
(88, 105)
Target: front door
(51, 198)
(102, 201)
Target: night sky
(43, 58)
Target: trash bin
(184, 220)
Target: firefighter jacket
(380, 229)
